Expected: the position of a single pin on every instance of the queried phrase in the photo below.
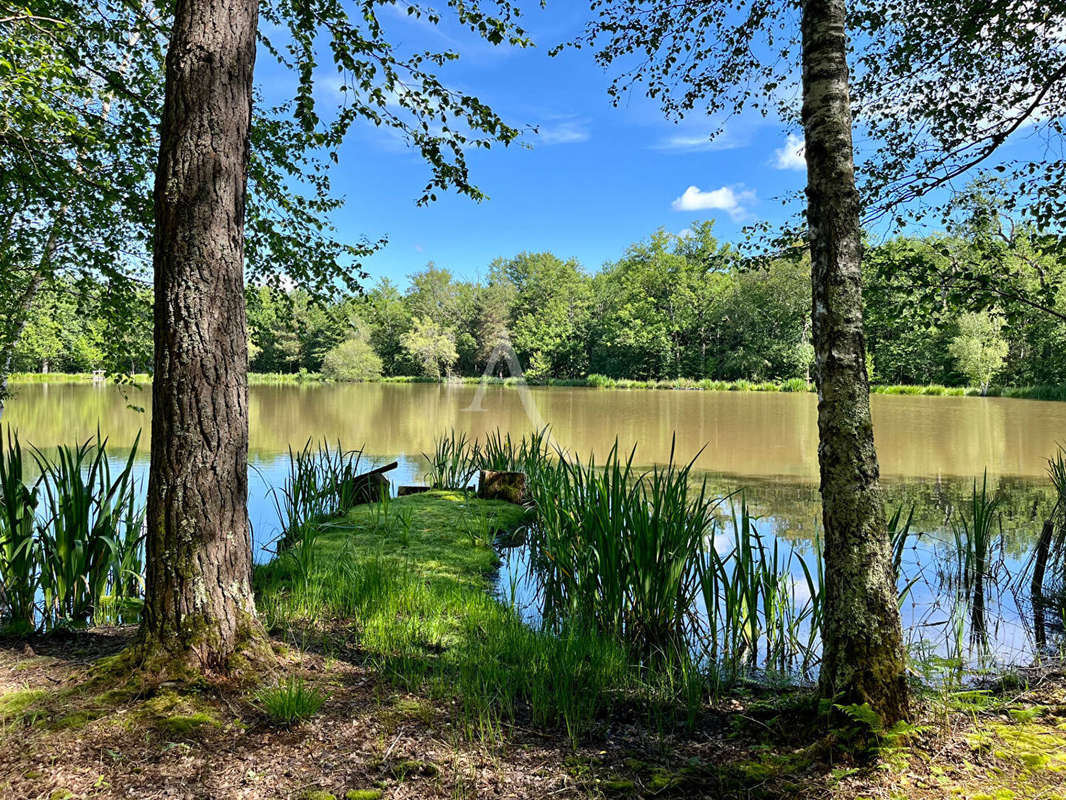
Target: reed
(90, 524)
(72, 540)
(454, 461)
(19, 557)
(502, 453)
(756, 614)
(974, 535)
(319, 483)
(618, 551)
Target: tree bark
(863, 659)
(198, 597)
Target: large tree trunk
(198, 604)
(863, 658)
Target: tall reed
(763, 602)
(618, 550)
(502, 453)
(19, 557)
(454, 461)
(89, 520)
(320, 483)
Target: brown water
(745, 433)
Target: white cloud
(698, 142)
(684, 233)
(564, 132)
(791, 156)
(724, 199)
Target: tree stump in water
(508, 486)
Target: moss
(72, 722)
(619, 786)
(61, 794)
(19, 702)
(363, 794)
(414, 767)
(187, 724)
(317, 794)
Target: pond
(930, 449)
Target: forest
(671, 307)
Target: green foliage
(979, 349)
(290, 701)
(352, 360)
(672, 313)
(431, 346)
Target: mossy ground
(411, 652)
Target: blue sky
(593, 180)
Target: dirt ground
(65, 734)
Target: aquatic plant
(760, 596)
(19, 559)
(501, 452)
(72, 541)
(90, 524)
(454, 461)
(319, 483)
(618, 550)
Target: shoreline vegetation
(794, 385)
(397, 650)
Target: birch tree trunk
(863, 658)
(198, 605)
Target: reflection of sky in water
(935, 612)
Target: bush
(352, 360)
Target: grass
(290, 701)
(419, 604)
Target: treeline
(671, 307)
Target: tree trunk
(198, 597)
(862, 640)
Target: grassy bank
(425, 686)
(413, 578)
(1056, 393)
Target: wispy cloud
(566, 131)
(726, 198)
(791, 156)
(699, 142)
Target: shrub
(352, 360)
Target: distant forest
(671, 307)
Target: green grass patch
(412, 579)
